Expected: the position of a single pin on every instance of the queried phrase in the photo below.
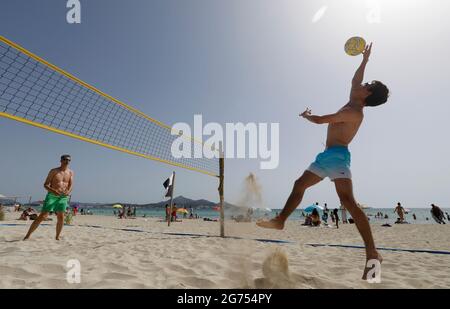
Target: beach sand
(112, 258)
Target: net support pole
(221, 179)
(171, 199)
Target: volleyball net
(38, 93)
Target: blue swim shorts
(334, 163)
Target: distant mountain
(181, 201)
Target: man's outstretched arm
(359, 75)
(342, 116)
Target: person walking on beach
(400, 212)
(334, 162)
(336, 217)
(59, 184)
(167, 213)
(438, 214)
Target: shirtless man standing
(334, 162)
(59, 184)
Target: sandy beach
(113, 258)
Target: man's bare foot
(275, 223)
(57, 238)
(26, 238)
(375, 256)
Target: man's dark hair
(66, 156)
(379, 94)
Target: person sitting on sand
(121, 214)
(59, 184)
(24, 216)
(308, 221)
(438, 214)
(400, 212)
(315, 218)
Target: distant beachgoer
(308, 221)
(332, 216)
(438, 214)
(24, 216)
(414, 217)
(174, 213)
(386, 216)
(315, 218)
(336, 217)
(427, 218)
(325, 217)
(400, 211)
(59, 184)
(448, 216)
(167, 212)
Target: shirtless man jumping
(59, 184)
(334, 162)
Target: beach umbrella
(182, 210)
(118, 206)
(312, 207)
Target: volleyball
(355, 46)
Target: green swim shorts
(55, 203)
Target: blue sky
(243, 61)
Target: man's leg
(59, 223)
(344, 190)
(307, 180)
(35, 224)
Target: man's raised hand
(366, 52)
